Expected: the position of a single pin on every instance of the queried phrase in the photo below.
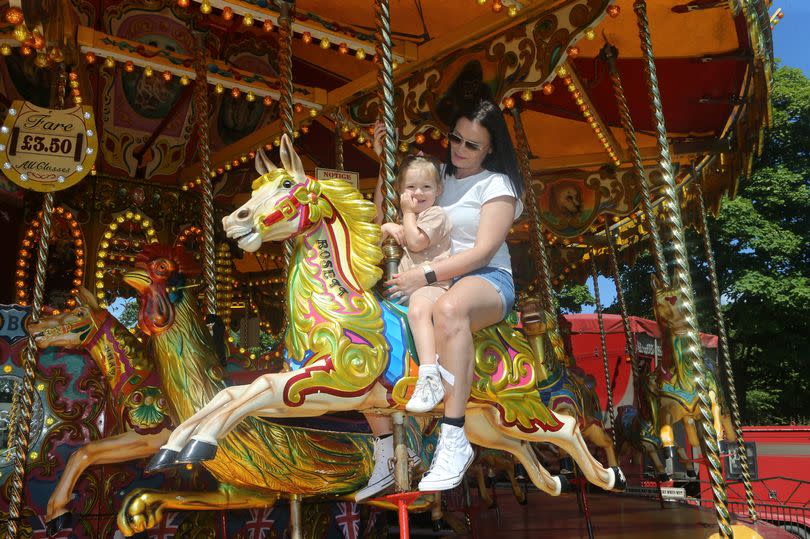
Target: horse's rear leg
(481, 431)
(569, 439)
(597, 435)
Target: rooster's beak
(138, 279)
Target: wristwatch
(430, 275)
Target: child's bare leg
(420, 318)
(428, 391)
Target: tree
(760, 240)
(129, 315)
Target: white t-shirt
(462, 199)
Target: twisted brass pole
(385, 96)
(603, 343)
(682, 280)
(29, 355)
(725, 351)
(629, 345)
(609, 54)
(286, 110)
(207, 192)
(338, 141)
(536, 238)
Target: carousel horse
(259, 459)
(564, 387)
(345, 345)
(140, 411)
(488, 464)
(674, 384)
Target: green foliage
(760, 243)
(129, 316)
(573, 297)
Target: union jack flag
(347, 518)
(167, 528)
(259, 523)
(63, 534)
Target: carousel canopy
(135, 62)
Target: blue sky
(790, 37)
(792, 47)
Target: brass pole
(200, 108)
(603, 343)
(385, 95)
(725, 350)
(286, 111)
(681, 278)
(609, 54)
(30, 354)
(629, 345)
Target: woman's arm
(496, 219)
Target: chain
(603, 342)
(628, 332)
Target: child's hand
(407, 202)
(379, 136)
(393, 230)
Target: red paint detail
(328, 366)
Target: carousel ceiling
(135, 66)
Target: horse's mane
(358, 215)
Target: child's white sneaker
(429, 390)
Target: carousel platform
(612, 516)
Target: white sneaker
(429, 390)
(382, 476)
(453, 456)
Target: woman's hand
(403, 285)
(393, 230)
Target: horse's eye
(287, 184)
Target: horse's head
(668, 305)
(71, 329)
(284, 202)
(160, 279)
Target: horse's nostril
(243, 214)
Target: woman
(482, 198)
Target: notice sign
(331, 174)
(47, 150)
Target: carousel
(137, 139)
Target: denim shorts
(501, 280)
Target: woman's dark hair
(503, 158)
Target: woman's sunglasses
(454, 138)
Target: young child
(425, 238)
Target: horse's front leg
(265, 397)
(120, 448)
(180, 436)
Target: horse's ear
(290, 160)
(86, 298)
(263, 163)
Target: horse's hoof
(140, 535)
(165, 458)
(619, 481)
(691, 474)
(663, 477)
(59, 523)
(523, 501)
(565, 484)
(197, 451)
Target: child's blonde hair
(418, 161)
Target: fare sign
(47, 150)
